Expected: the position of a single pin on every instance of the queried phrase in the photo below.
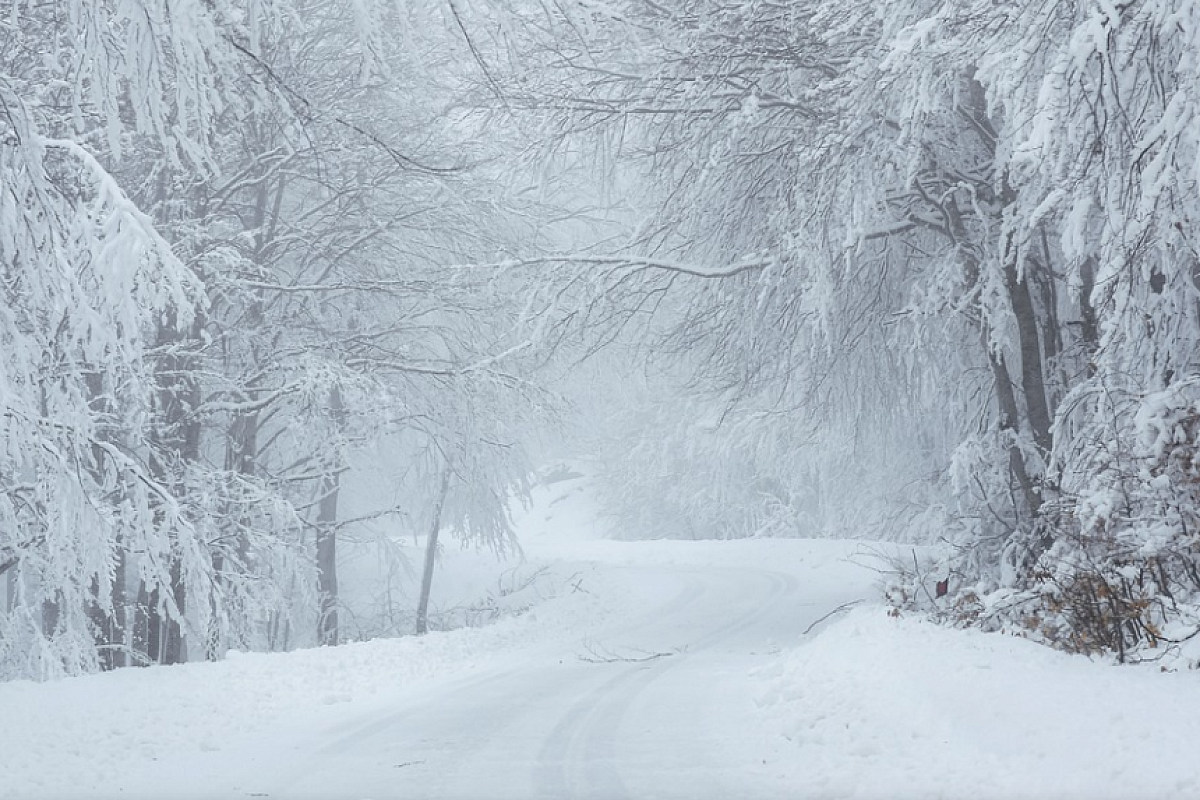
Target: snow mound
(883, 707)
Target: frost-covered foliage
(223, 232)
(966, 232)
(87, 276)
(1095, 158)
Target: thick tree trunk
(107, 615)
(175, 443)
(108, 628)
(50, 617)
(146, 625)
(431, 554)
(1033, 381)
(1031, 412)
(174, 646)
(1009, 423)
(241, 457)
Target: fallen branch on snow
(838, 610)
(599, 655)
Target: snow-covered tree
(89, 280)
(225, 228)
(952, 238)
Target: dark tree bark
(107, 615)
(1033, 380)
(1031, 410)
(174, 443)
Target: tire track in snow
(431, 735)
(579, 758)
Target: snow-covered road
(591, 721)
(657, 703)
(637, 680)
(659, 669)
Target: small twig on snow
(838, 610)
(597, 655)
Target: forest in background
(921, 270)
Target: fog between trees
(916, 270)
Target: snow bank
(869, 706)
(880, 707)
(79, 737)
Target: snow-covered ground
(657, 669)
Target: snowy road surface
(593, 721)
(659, 701)
(658, 669)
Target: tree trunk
(1036, 406)
(107, 615)
(147, 625)
(175, 443)
(1033, 381)
(174, 646)
(50, 616)
(241, 456)
(108, 628)
(118, 633)
(1009, 424)
(1089, 331)
(431, 554)
(10, 585)
(327, 515)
